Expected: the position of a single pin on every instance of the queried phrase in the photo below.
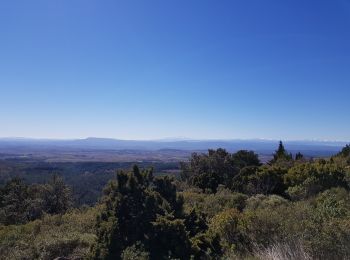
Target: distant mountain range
(311, 148)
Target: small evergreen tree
(345, 152)
(14, 203)
(299, 156)
(281, 154)
(57, 196)
(139, 207)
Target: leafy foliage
(218, 167)
(308, 179)
(135, 210)
(21, 203)
(69, 235)
(211, 204)
(260, 180)
(135, 252)
(281, 154)
(228, 207)
(14, 203)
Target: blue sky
(192, 68)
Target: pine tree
(299, 156)
(138, 207)
(281, 154)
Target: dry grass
(282, 251)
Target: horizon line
(171, 139)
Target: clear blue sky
(192, 68)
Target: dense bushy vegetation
(21, 203)
(224, 206)
(71, 234)
(143, 212)
(86, 179)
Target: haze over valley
(114, 150)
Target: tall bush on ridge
(218, 167)
(139, 208)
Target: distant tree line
(20, 203)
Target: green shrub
(212, 204)
(68, 235)
(135, 252)
(262, 201)
(260, 180)
(308, 179)
(227, 226)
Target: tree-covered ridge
(224, 206)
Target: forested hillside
(222, 206)
(86, 179)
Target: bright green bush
(212, 204)
(261, 201)
(68, 235)
(321, 224)
(308, 179)
(227, 225)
